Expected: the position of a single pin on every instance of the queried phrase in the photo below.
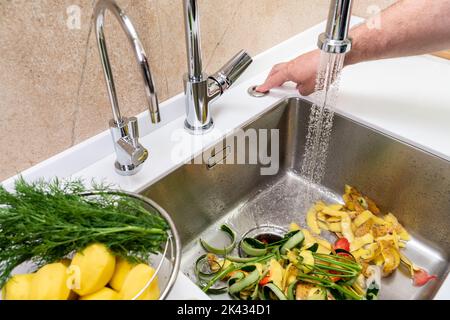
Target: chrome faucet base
(126, 170)
(334, 46)
(198, 94)
(129, 152)
(335, 39)
(199, 130)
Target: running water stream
(295, 194)
(321, 120)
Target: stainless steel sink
(411, 183)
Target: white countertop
(408, 98)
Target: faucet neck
(335, 39)
(339, 19)
(193, 41)
(141, 58)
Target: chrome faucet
(335, 39)
(125, 132)
(200, 89)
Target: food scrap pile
(373, 238)
(304, 266)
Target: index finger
(274, 80)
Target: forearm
(409, 27)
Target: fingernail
(258, 89)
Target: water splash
(321, 120)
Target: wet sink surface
(412, 184)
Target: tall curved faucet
(201, 89)
(125, 132)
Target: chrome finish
(125, 132)
(335, 39)
(193, 41)
(404, 180)
(201, 89)
(130, 154)
(198, 95)
(256, 94)
(232, 70)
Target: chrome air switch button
(252, 91)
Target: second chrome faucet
(130, 154)
(202, 89)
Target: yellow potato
(102, 294)
(152, 294)
(136, 280)
(92, 269)
(50, 283)
(123, 267)
(18, 287)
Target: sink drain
(265, 233)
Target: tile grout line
(158, 12)
(223, 36)
(76, 110)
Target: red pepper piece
(342, 243)
(421, 277)
(265, 280)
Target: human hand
(302, 70)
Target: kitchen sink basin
(412, 184)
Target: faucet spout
(125, 132)
(335, 39)
(141, 58)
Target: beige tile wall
(52, 93)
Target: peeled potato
(102, 294)
(136, 280)
(18, 287)
(50, 283)
(151, 294)
(123, 267)
(92, 269)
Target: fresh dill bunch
(44, 222)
